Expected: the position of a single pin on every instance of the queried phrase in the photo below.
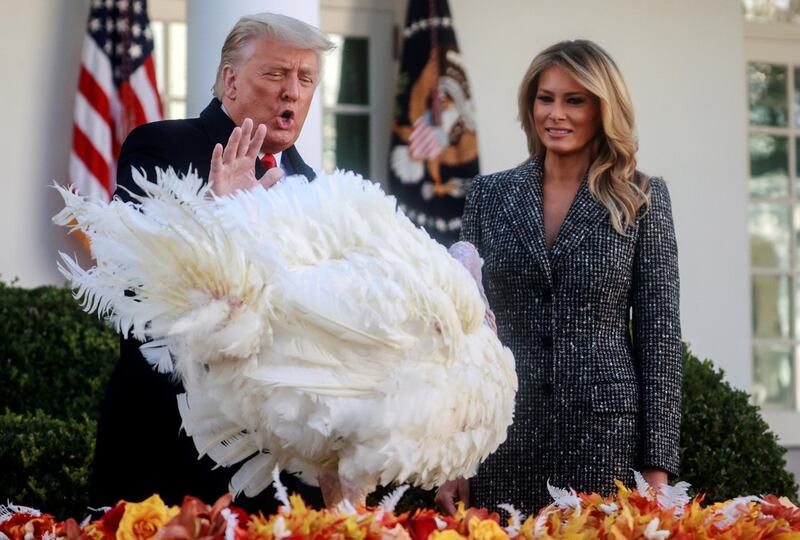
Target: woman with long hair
(581, 271)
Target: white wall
(39, 57)
(684, 63)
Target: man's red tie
(269, 161)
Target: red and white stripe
(104, 115)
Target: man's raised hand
(233, 168)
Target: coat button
(547, 342)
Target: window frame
(375, 21)
(779, 43)
(167, 12)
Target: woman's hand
(655, 477)
(451, 492)
(468, 256)
(234, 167)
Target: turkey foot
(336, 489)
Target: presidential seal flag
(434, 153)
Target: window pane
(346, 72)
(158, 45)
(771, 10)
(331, 70)
(768, 99)
(797, 161)
(769, 165)
(796, 225)
(771, 306)
(774, 377)
(797, 98)
(177, 109)
(346, 142)
(177, 59)
(769, 235)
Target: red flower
(68, 529)
(110, 520)
(198, 521)
(423, 523)
(772, 506)
(21, 524)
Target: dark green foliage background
(727, 449)
(53, 356)
(55, 361)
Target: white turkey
(313, 326)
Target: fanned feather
(642, 486)
(390, 501)
(674, 497)
(157, 354)
(253, 476)
(280, 490)
(564, 498)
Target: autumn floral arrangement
(639, 513)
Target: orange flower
(142, 521)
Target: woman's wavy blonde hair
(613, 178)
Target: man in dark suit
(268, 72)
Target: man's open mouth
(286, 119)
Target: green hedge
(727, 449)
(45, 462)
(53, 356)
(55, 362)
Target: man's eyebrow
(274, 65)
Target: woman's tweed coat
(592, 403)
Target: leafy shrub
(727, 449)
(55, 362)
(53, 356)
(45, 462)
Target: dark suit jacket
(140, 449)
(593, 402)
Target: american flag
(116, 92)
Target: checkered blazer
(593, 402)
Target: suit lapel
(522, 202)
(260, 169)
(583, 217)
(294, 164)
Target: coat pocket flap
(615, 397)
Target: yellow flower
(448, 534)
(486, 529)
(259, 527)
(93, 531)
(142, 521)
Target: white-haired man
(268, 72)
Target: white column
(208, 23)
